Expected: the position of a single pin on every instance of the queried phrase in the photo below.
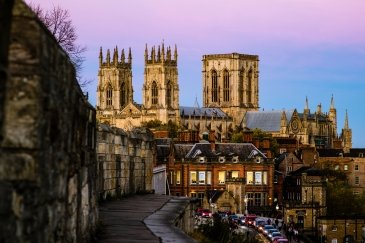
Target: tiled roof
(204, 111)
(242, 150)
(268, 121)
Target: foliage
(341, 200)
(237, 138)
(58, 21)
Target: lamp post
(246, 200)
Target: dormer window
(235, 159)
(201, 159)
(221, 159)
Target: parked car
(270, 231)
(259, 224)
(274, 234)
(266, 228)
(206, 213)
(250, 219)
(273, 239)
(281, 240)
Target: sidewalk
(130, 219)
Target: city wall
(47, 141)
(125, 161)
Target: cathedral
(230, 99)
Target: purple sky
(306, 47)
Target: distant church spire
(146, 54)
(108, 57)
(175, 53)
(306, 103)
(346, 126)
(122, 56)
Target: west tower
(114, 91)
(161, 87)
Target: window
(289, 168)
(298, 181)
(249, 177)
(357, 180)
(225, 85)
(178, 177)
(361, 155)
(282, 150)
(168, 94)
(171, 177)
(221, 177)
(209, 178)
(201, 177)
(249, 86)
(346, 167)
(235, 174)
(192, 177)
(356, 167)
(154, 93)
(337, 167)
(258, 178)
(214, 86)
(193, 194)
(109, 96)
(123, 95)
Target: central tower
(230, 82)
(161, 88)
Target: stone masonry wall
(47, 137)
(125, 161)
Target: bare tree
(59, 23)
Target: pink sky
(306, 47)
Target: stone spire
(101, 56)
(346, 126)
(146, 54)
(108, 57)
(122, 57)
(159, 54)
(115, 56)
(163, 52)
(130, 56)
(332, 103)
(175, 53)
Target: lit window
(337, 167)
(201, 177)
(192, 177)
(235, 174)
(264, 178)
(222, 177)
(209, 178)
(345, 167)
(171, 177)
(249, 177)
(178, 177)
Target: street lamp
(246, 200)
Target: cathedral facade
(230, 99)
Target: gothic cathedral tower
(114, 89)
(161, 87)
(230, 82)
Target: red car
(206, 213)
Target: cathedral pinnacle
(175, 53)
(115, 56)
(130, 56)
(146, 54)
(101, 56)
(332, 103)
(122, 57)
(108, 57)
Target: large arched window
(168, 94)
(225, 85)
(123, 95)
(249, 86)
(154, 93)
(214, 86)
(240, 86)
(109, 95)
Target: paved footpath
(141, 218)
